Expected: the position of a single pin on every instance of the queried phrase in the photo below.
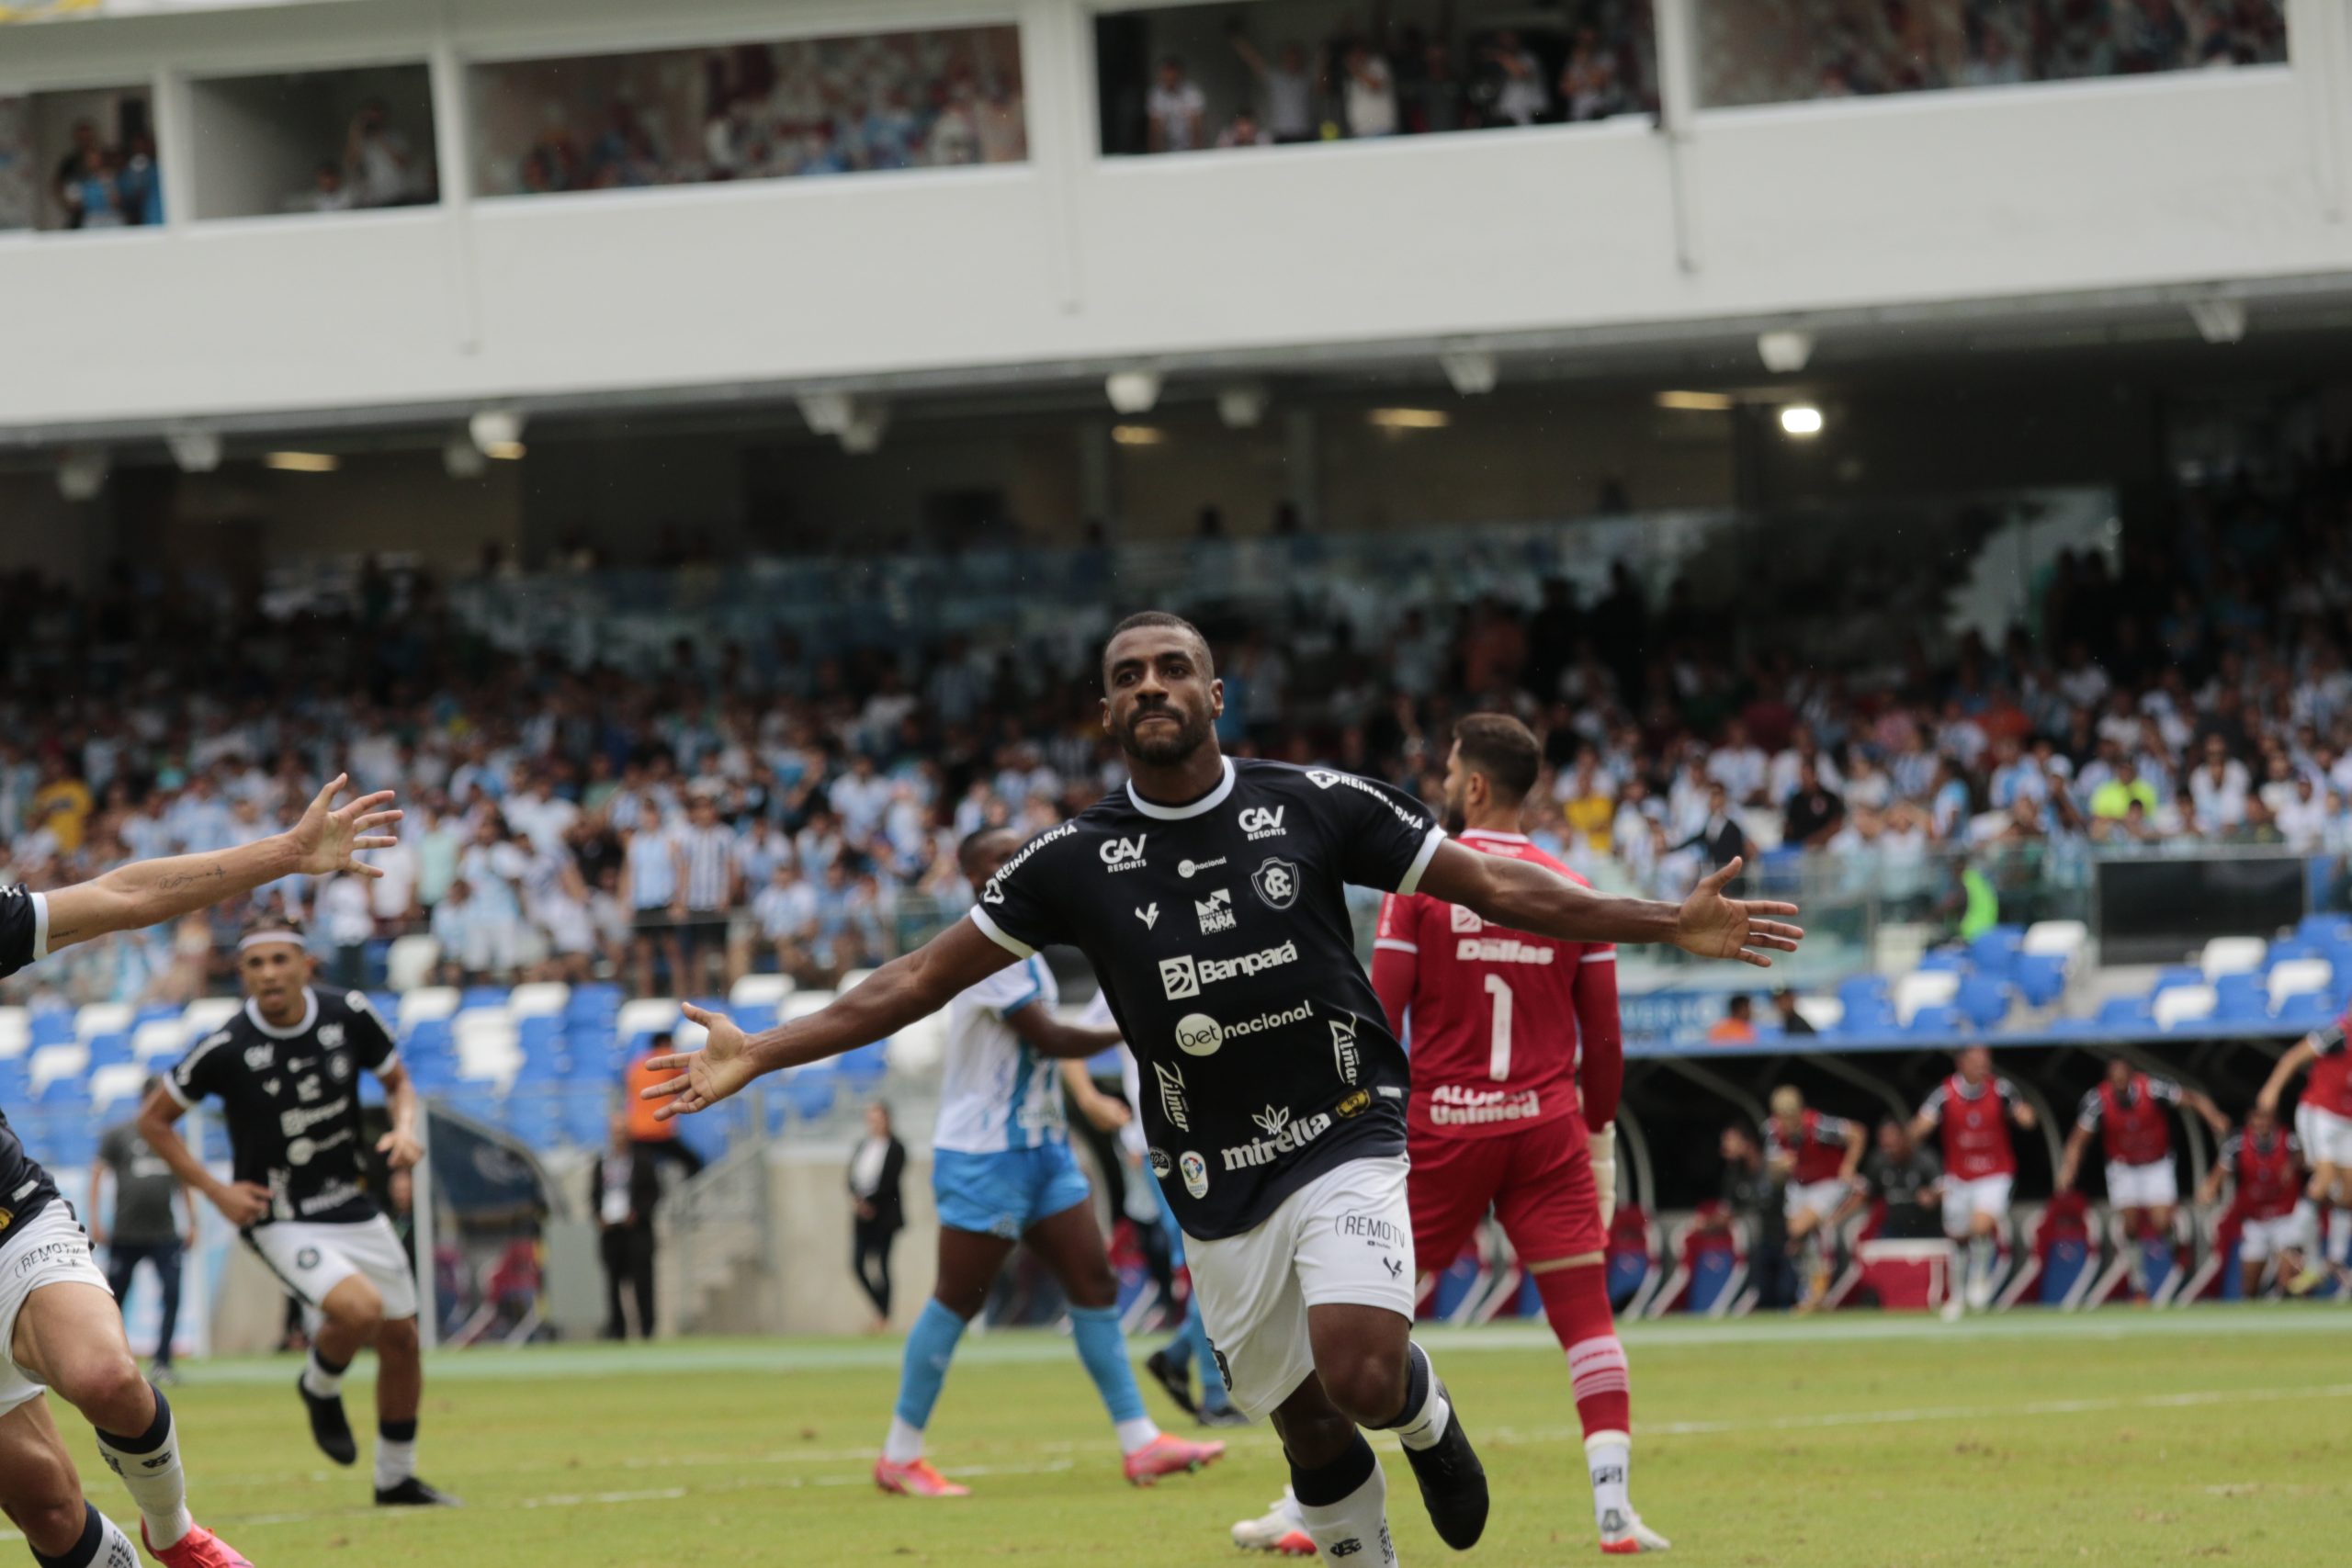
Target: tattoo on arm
(180, 879)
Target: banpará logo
(1171, 1094)
(1277, 883)
(1343, 1047)
(1190, 868)
(1123, 854)
(1215, 912)
(1198, 1034)
(1259, 822)
(1183, 975)
(1354, 1105)
(1196, 1173)
(994, 892)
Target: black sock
(331, 1369)
(1326, 1484)
(82, 1552)
(1417, 1387)
(158, 1433)
(397, 1431)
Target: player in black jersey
(59, 1327)
(1209, 897)
(285, 1070)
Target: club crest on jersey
(1123, 854)
(1354, 1105)
(1463, 920)
(1261, 822)
(1277, 883)
(1172, 1095)
(1161, 1166)
(1343, 1047)
(1196, 1173)
(1215, 911)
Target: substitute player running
(2264, 1166)
(1973, 1110)
(59, 1327)
(2126, 1111)
(1004, 1175)
(285, 1070)
(1208, 895)
(2324, 1126)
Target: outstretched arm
(2073, 1159)
(1529, 898)
(148, 892)
(2293, 1062)
(2197, 1100)
(1052, 1037)
(886, 1001)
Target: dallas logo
(1122, 854)
(1215, 911)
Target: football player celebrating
(285, 1070)
(60, 1329)
(1974, 1111)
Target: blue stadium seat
(2289, 947)
(706, 1134)
(811, 1091)
(866, 1066)
(1935, 1022)
(155, 1012)
(1996, 952)
(2040, 977)
(1626, 1272)
(2061, 1269)
(535, 1119)
(755, 1018)
(1711, 1272)
(2174, 974)
(1871, 1015)
(1861, 989)
(542, 1029)
(2321, 931)
(107, 1050)
(482, 996)
(2126, 1013)
(386, 1003)
(2310, 1010)
(51, 1026)
(1942, 959)
(1984, 1000)
(2241, 998)
(592, 1004)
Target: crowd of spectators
(1760, 52)
(767, 805)
(98, 185)
(378, 166)
(1403, 75)
(763, 111)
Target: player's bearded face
(1162, 706)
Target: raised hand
(400, 1150)
(1711, 926)
(329, 838)
(702, 1077)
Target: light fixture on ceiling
(1696, 402)
(1470, 372)
(82, 472)
(1133, 391)
(301, 462)
(195, 451)
(1801, 420)
(1138, 435)
(495, 427)
(1784, 353)
(1409, 419)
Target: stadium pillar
(1678, 110)
(2319, 47)
(453, 146)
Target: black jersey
(24, 1188)
(1219, 931)
(290, 1098)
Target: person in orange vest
(655, 1137)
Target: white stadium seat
(1924, 988)
(16, 1033)
(54, 1063)
(2183, 1005)
(110, 1086)
(2299, 977)
(103, 1018)
(428, 1003)
(206, 1014)
(159, 1043)
(2064, 938)
(410, 962)
(800, 1004)
(1825, 1013)
(757, 990)
(646, 1015)
(2232, 955)
(541, 998)
(487, 1051)
(920, 1047)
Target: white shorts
(1817, 1198)
(311, 1259)
(48, 1250)
(2261, 1240)
(1346, 1236)
(2150, 1186)
(2326, 1137)
(1965, 1199)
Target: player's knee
(50, 1517)
(1093, 1286)
(357, 1313)
(965, 1304)
(107, 1386)
(1368, 1386)
(397, 1336)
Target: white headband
(273, 935)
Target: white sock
(322, 1382)
(395, 1463)
(2307, 1222)
(1138, 1433)
(2339, 1238)
(904, 1445)
(114, 1549)
(1353, 1531)
(1426, 1425)
(1608, 1456)
(156, 1480)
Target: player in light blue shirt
(1003, 1174)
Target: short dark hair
(968, 854)
(1143, 620)
(1503, 750)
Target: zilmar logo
(1172, 1095)
(1343, 1047)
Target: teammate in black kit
(286, 1071)
(1208, 897)
(59, 1327)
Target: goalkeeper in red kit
(1506, 1029)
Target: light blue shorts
(1004, 1194)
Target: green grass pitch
(2120, 1438)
